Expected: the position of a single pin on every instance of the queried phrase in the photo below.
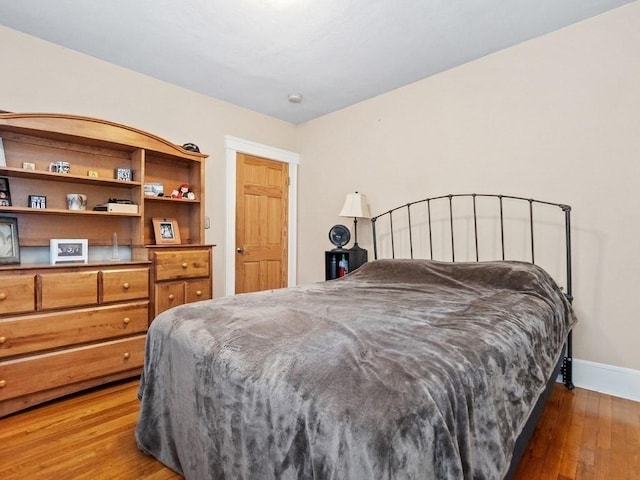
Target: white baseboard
(617, 381)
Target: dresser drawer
(178, 264)
(17, 294)
(69, 289)
(126, 284)
(53, 330)
(196, 290)
(42, 372)
(168, 295)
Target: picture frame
(5, 192)
(153, 189)
(3, 160)
(9, 241)
(166, 231)
(37, 201)
(69, 250)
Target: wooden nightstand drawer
(178, 264)
(41, 372)
(17, 294)
(69, 289)
(196, 290)
(53, 330)
(119, 285)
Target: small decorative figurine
(183, 191)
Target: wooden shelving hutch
(66, 327)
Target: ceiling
(255, 53)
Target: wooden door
(262, 198)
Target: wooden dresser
(70, 326)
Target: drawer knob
(3, 383)
(185, 265)
(199, 293)
(172, 296)
(3, 295)
(3, 340)
(127, 355)
(126, 285)
(126, 320)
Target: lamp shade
(355, 206)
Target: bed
(406, 368)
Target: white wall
(556, 118)
(38, 76)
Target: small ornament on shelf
(183, 191)
(37, 201)
(192, 147)
(124, 174)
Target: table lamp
(356, 206)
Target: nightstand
(355, 258)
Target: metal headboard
(425, 220)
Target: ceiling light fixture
(295, 97)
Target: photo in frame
(69, 250)
(3, 160)
(153, 189)
(5, 193)
(166, 231)
(9, 246)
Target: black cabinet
(354, 258)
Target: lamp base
(356, 248)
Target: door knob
(240, 250)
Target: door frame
(234, 145)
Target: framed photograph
(124, 174)
(9, 247)
(3, 160)
(166, 231)
(28, 166)
(68, 250)
(153, 189)
(37, 201)
(5, 194)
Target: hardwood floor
(85, 436)
(582, 435)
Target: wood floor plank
(587, 454)
(556, 438)
(581, 435)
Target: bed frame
(414, 230)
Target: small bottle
(343, 267)
(333, 270)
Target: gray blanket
(404, 369)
